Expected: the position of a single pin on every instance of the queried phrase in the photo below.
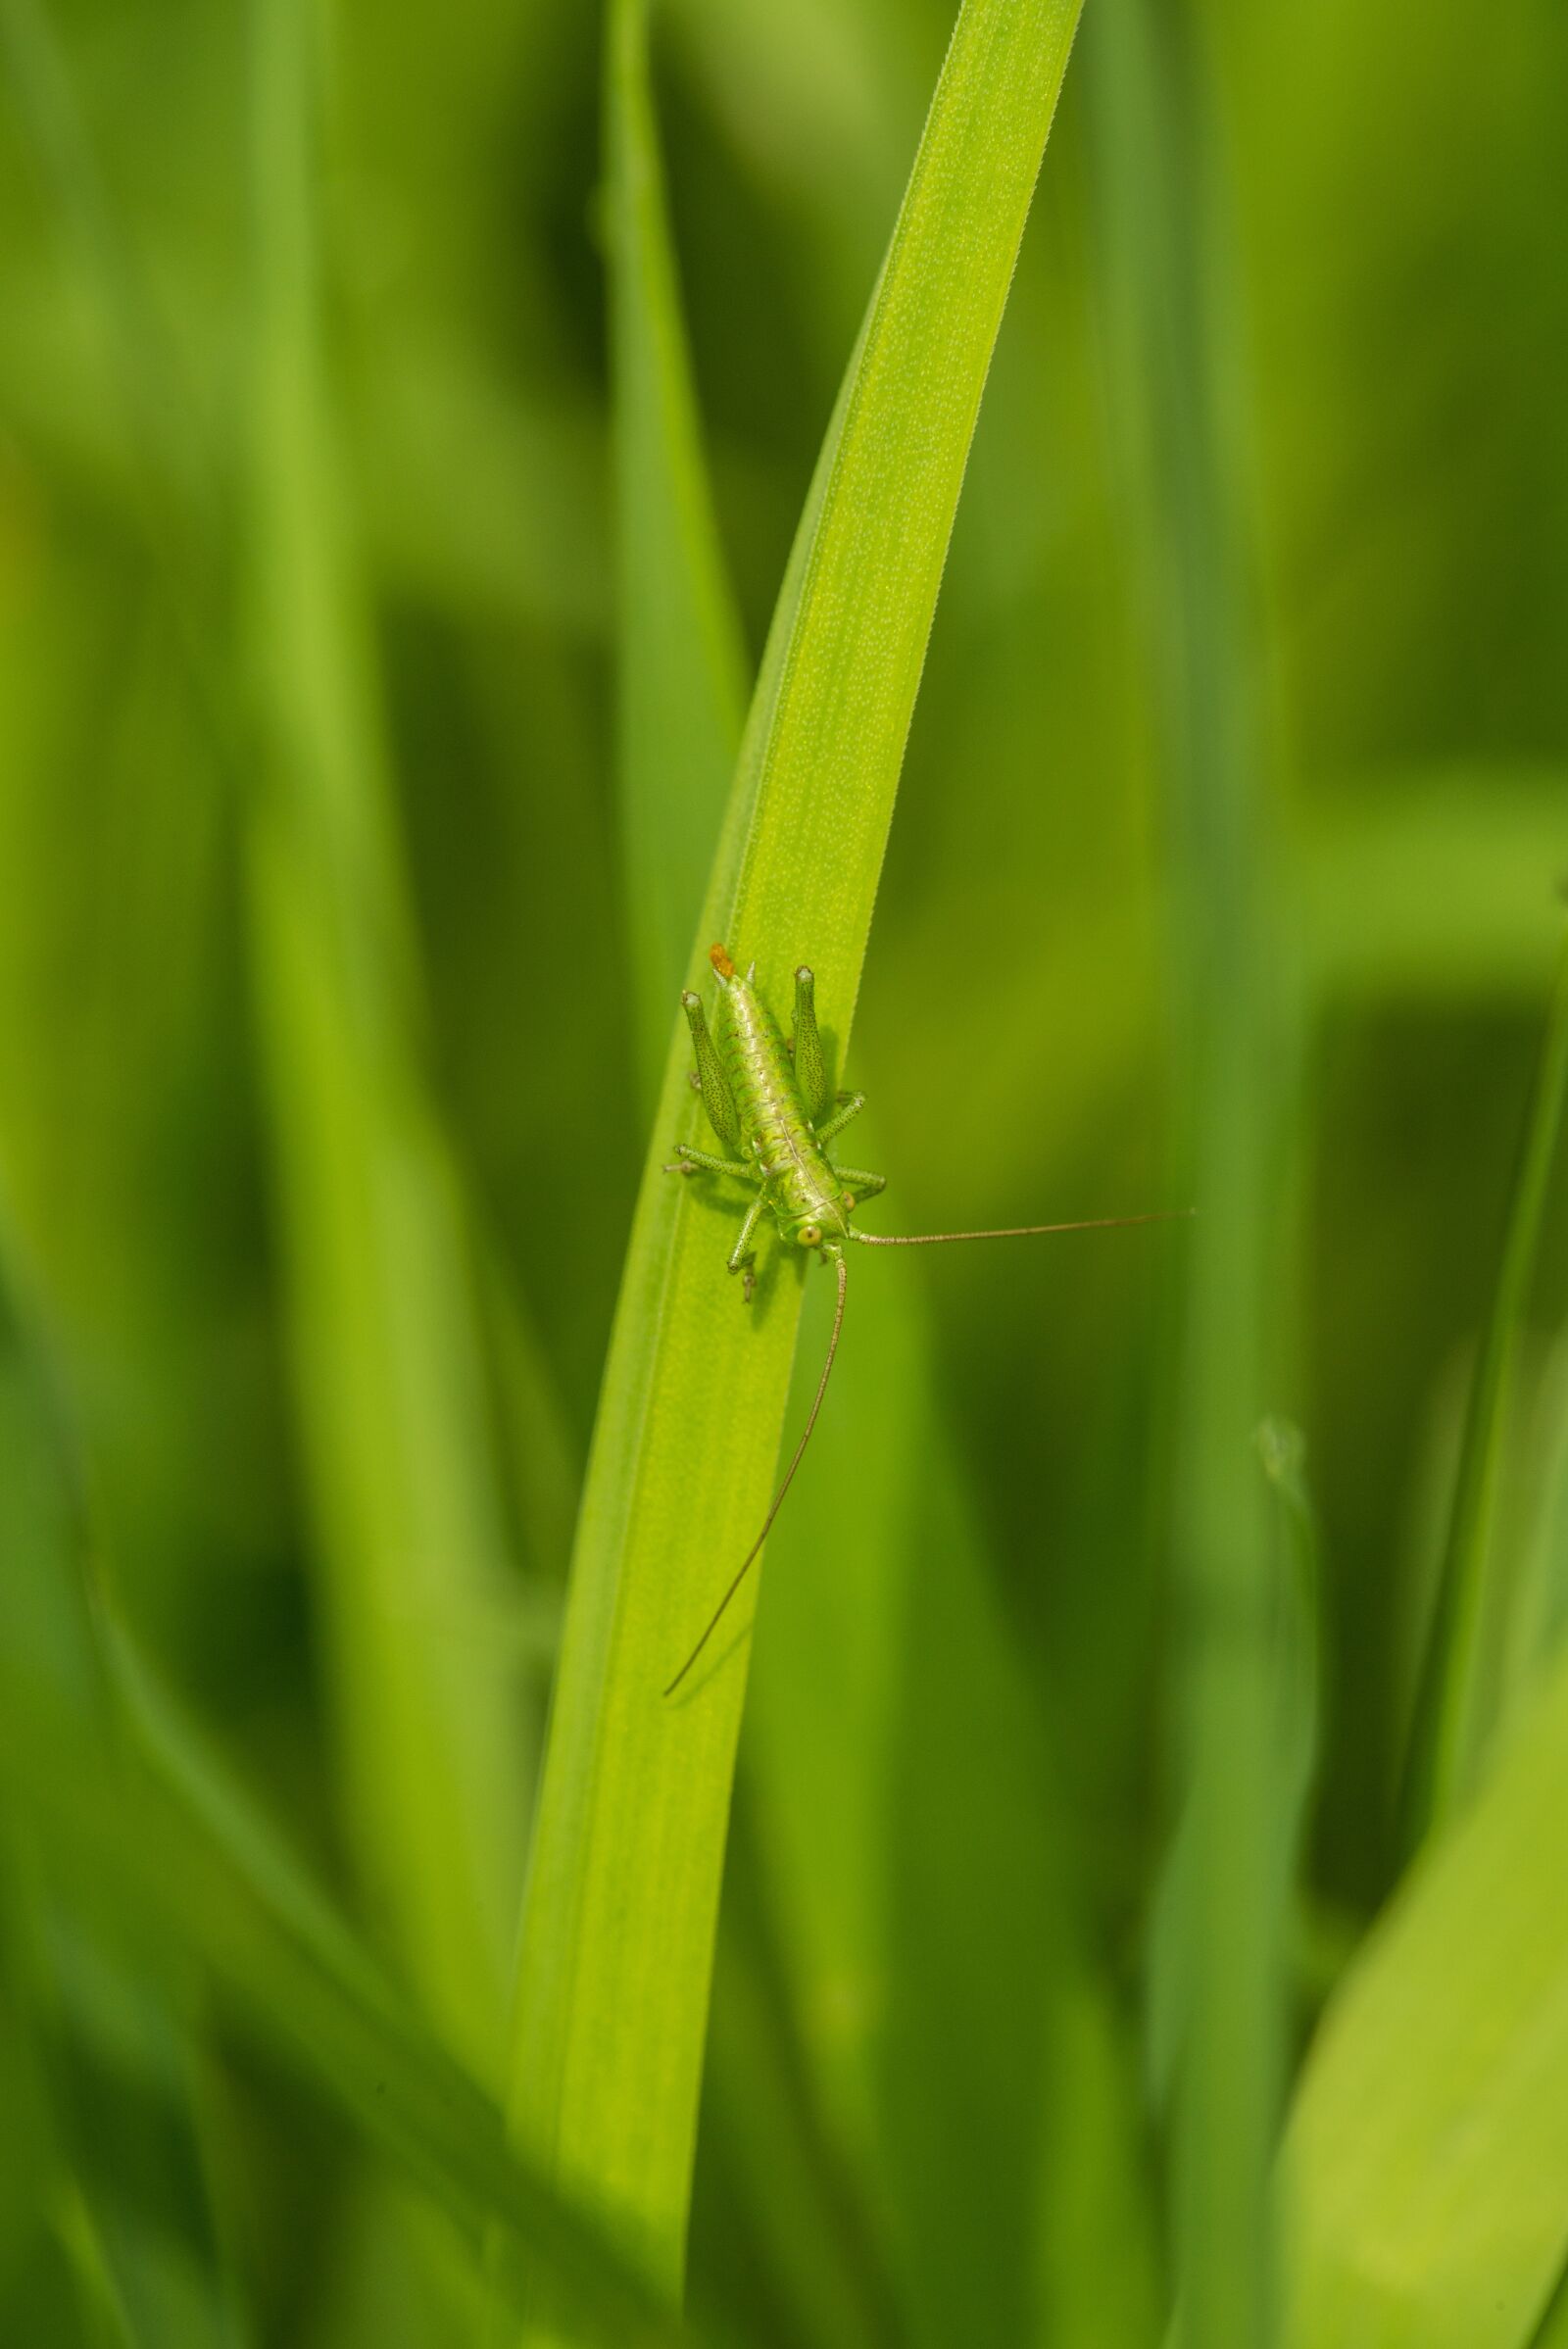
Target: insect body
(769, 1101)
(768, 1104)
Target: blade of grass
(389, 1353)
(1537, 1612)
(1457, 1695)
(100, 2003)
(1425, 2162)
(969, 2055)
(681, 694)
(179, 1845)
(42, 90)
(1297, 1627)
(1430, 884)
(1293, 1643)
(682, 714)
(1552, 2330)
(774, 2175)
(1173, 350)
(619, 1923)
(388, 1359)
(970, 2258)
(130, 1885)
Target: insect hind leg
(711, 1083)
(810, 1069)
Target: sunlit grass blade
(618, 1924)
(680, 682)
(682, 714)
(387, 1357)
(1427, 2156)
(1457, 1695)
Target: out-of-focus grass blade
(1538, 1615)
(618, 1924)
(1293, 1640)
(772, 2175)
(182, 1848)
(42, 91)
(923, 1869)
(1427, 2156)
(389, 1361)
(681, 695)
(1174, 350)
(1456, 1697)
(1430, 884)
(97, 1999)
(389, 1364)
(1298, 1625)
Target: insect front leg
(743, 1256)
(811, 1070)
(688, 1161)
(864, 1186)
(850, 1106)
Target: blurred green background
(1271, 460)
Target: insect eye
(810, 1235)
(848, 1201)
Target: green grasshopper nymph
(769, 1105)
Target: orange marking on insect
(719, 957)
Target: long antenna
(1023, 1230)
(778, 1498)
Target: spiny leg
(864, 1186)
(850, 1106)
(743, 1256)
(689, 1162)
(711, 1082)
(810, 1071)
